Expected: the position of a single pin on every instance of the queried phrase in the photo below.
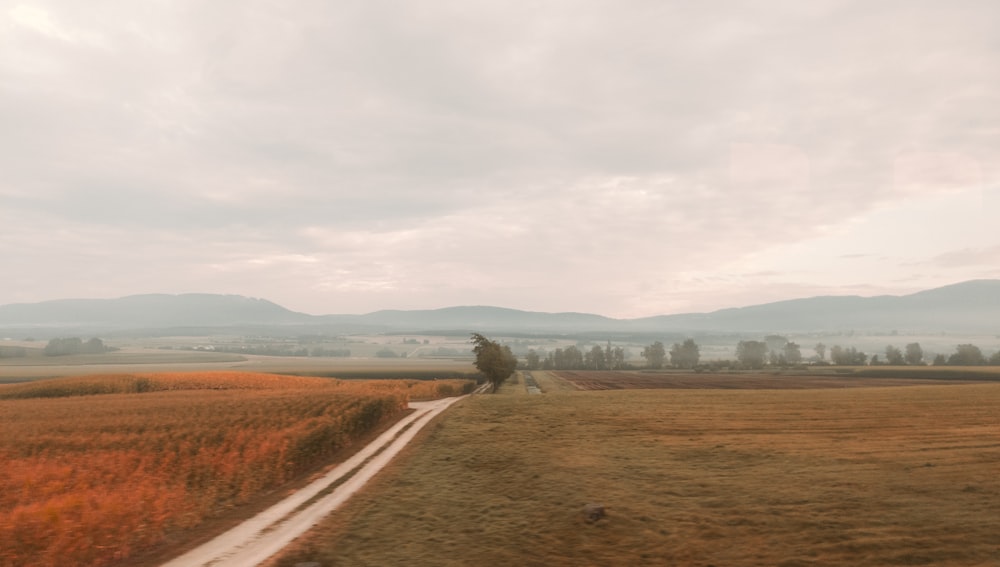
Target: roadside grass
(865, 476)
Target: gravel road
(255, 540)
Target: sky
(627, 158)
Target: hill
(967, 307)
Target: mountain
(149, 312)
(968, 307)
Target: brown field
(623, 380)
(155, 360)
(785, 477)
(99, 468)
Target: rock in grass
(593, 512)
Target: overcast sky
(626, 158)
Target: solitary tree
(495, 361)
(654, 354)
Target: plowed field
(624, 380)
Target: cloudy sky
(626, 158)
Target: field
(867, 476)
(598, 380)
(98, 468)
(14, 370)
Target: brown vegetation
(96, 468)
(858, 476)
(598, 380)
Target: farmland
(598, 380)
(99, 468)
(148, 359)
(902, 475)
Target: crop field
(785, 477)
(622, 380)
(13, 370)
(98, 468)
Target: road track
(257, 539)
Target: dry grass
(865, 476)
(151, 360)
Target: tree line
(773, 350)
(74, 345)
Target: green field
(904, 475)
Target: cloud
(969, 257)
(570, 156)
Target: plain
(859, 476)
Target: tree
(967, 355)
(751, 353)
(595, 358)
(654, 354)
(685, 355)
(847, 356)
(894, 356)
(914, 354)
(820, 349)
(792, 353)
(572, 358)
(73, 345)
(532, 360)
(496, 362)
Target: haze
(621, 158)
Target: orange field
(97, 468)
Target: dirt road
(260, 537)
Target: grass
(13, 370)
(865, 476)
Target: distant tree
(386, 352)
(995, 358)
(967, 355)
(751, 353)
(939, 360)
(820, 349)
(572, 358)
(792, 353)
(594, 358)
(532, 360)
(914, 354)
(847, 356)
(837, 354)
(894, 356)
(775, 342)
(618, 356)
(685, 355)
(73, 345)
(654, 354)
(495, 361)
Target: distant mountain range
(968, 307)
